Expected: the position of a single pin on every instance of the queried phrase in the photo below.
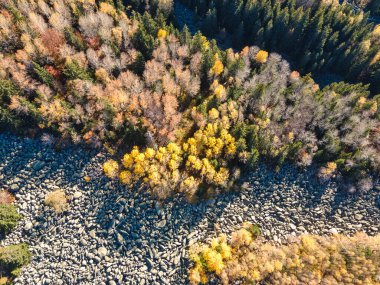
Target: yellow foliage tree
(261, 56)
(107, 8)
(209, 258)
(111, 168)
(162, 34)
(182, 168)
(308, 259)
(218, 67)
(219, 90)
(213, 114)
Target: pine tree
(120, 5)
(251, 20)
(238, 37)
(186, 35)
(7, 90)
(374, 7)
(74, 71)
(268, 37)
(42, 74)
(74, 40)
(138, 66)
(291, 28)
(145, 35)
(259, 40)
(210, 23)
(374, 78)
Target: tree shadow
(153, 235)
(157, 231)
(128, 221)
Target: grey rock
(77, 195)
(14, 187)
(17, 180)
(358, 217)
(28, 226)
(92, 234)
(333, 231)
(161, 224)
(38, 165)
(102, 251)
(149, 264)
(146, 242)
(134, 235)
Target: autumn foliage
(188, 116)
(307, 259)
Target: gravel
(113, 235)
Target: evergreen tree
(374, 78)
(42, 74)
(268, 37)
(186, 35)
(296, 30)
(73, 71)
(210, 23)
(74, 40)
(238, 40)
(145, 35)
(374, 7)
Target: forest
(315, 37)
(179, 115)
(88, 74)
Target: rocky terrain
(114, 235)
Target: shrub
(8, 218)
(327, 171)
(13, 257)
(56, 200)
(308, 259)
(111, 168)
(6, 197)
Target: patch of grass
(56, 200)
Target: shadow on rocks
(112, 233)
(156, 234)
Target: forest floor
(113, 235)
